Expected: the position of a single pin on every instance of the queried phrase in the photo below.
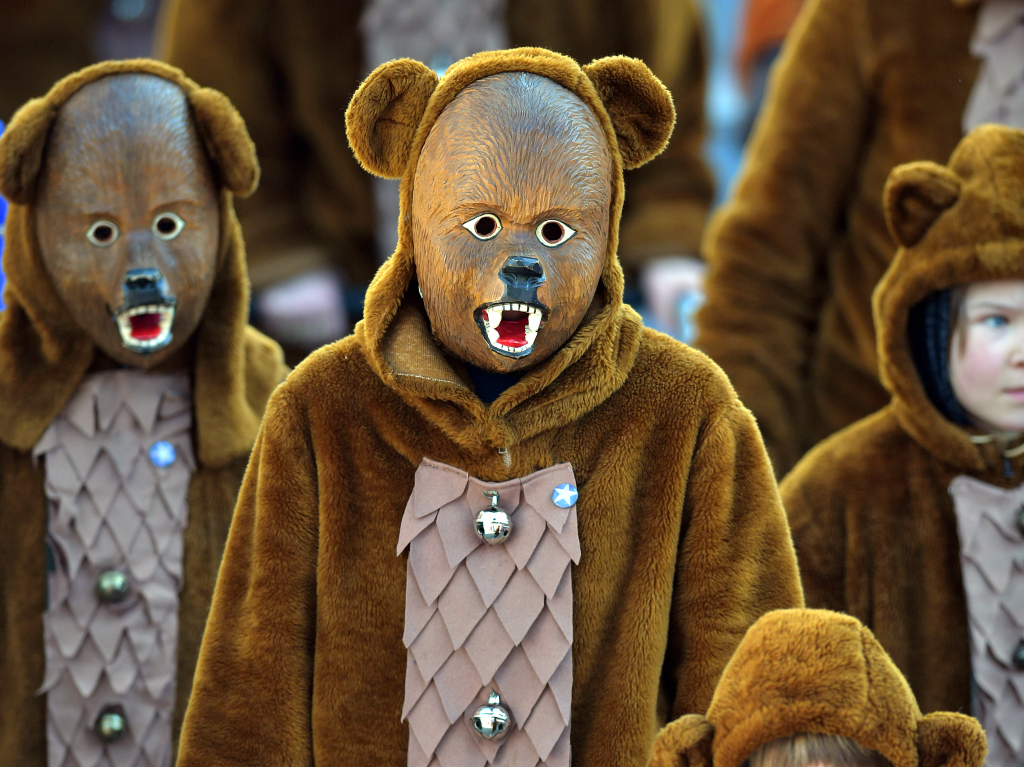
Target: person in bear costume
(131, 391)
(817, 676)
(910, 518)
(861, 86)
(497, 381)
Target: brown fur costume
(684, 542)
(315, 205)
(873, 522)
(43, 357)
(861, 86)
(816, 671)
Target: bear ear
(946, 739)
(915, 195)
(686, 742)
(639, 105)
(384, 113)
(226, 140)
(21, 149)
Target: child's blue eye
(996, 321)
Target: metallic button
(492, 721)
(1018, 656)
(564, 496)
(111, 723)
(162, 454)
(112, 587)
(492, 524)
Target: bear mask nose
(146, 286)
(522, 272)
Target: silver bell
(492, 524)
(492, 721)
(112, 586)
(111, 723)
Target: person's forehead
(1005, 290)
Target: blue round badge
(564, 496)
(162, 454)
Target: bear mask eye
(167, 226)
(484, 227)
(553, 233)
(102, 233)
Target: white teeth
(124, 326)
(494, 315)
(534, 321)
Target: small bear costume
(76, 430)
(908, 519)
(816, 671)
(623, 451)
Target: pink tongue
(145, 326)
(512, 330)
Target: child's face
(986, 360)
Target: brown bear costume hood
(816, 671)
(43, 353)
(43, 359)
(389, 120)
(870, 507)
(683, 542)
(957, 224)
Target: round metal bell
(493, 524)
(492, 721)
(111, 723)
(112, 586)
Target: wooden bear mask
(511, 170)
(128, 217)
(510, 220)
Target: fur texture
(816, 671)
(43, 356)
(861, 86)
(872, 519)
(684, 542)
(315, 206)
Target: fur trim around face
(816, 671)
(957, 224)
(43, 354)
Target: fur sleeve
(250, 698)
(736, 558)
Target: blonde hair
(814, 748)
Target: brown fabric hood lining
(43, 354)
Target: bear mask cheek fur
(127, 216)
(521, 150)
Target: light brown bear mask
(511, 169)
(127, 216)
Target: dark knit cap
(928, 333)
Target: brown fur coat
(684, 542)
(861, 86)
(291, 66)
(873, 522)
(43, 356)
(816, 671)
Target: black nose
(523, 268)
(145, 286)
(142, 279)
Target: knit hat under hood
(816, 671)
(388, 122)
(955, 224)
(43, 352)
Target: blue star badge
(162, 454)
(564, 496)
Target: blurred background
(318, 226)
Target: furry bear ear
(915, 195)
(946, 739)
(639, 105)
(384, 113)
(227, 140)
(21, 149)
(686, 742)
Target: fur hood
(43, 353)
(955, 224)
(388, 122)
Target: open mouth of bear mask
(145, 317)
(510, 328)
